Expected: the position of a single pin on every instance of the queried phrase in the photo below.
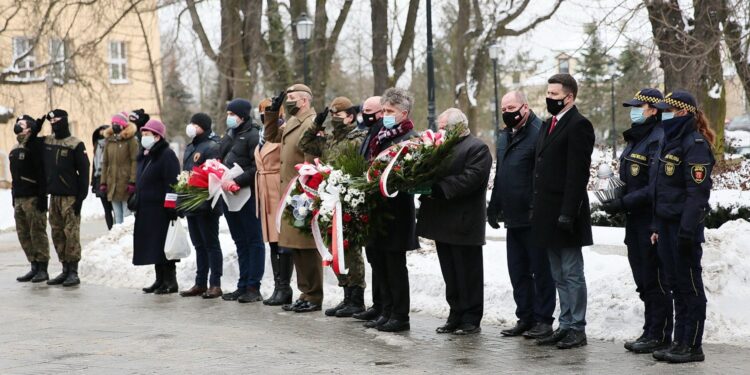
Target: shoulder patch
(699, 140)
(698, 172)
(196, 157)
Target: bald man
(528, 265)
(372, 114)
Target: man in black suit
(561, 219)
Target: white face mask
(190, 130)
(147, 141)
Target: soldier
(30, 197)
(329, 145)
(67, 171)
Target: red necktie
(552, 127)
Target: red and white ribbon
(383, 184)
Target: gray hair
(520, 97)
(398, 98)
(453, 117)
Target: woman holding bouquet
(157, 171)
(391, 248)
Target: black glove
(41, 203)
(39, 123)
(614, 206)
(493, 219)
(77, 206)
(565, 223)
(171, 214)
(321, 118)
(276, 102)
(139, 117)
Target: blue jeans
(204, 233)
(567, 270)
(120, 210)
(248, 237)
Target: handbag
(177, 245)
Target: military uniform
(67, 175)
(680, 186)
(30, 200)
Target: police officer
(203, 222)
(681, 185)
(30, 197)
(639, 155)
(66, 167)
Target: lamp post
(612, 70)
(430, 72)
(304, 32)
(495, 55)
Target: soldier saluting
(67, 171)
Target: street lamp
(495, 55)
(612, 70)
(430, 71)
(304, 32)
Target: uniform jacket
(563, 160)
(459, 218)
(66, 166)
(681, 182)
(636, 160)
(200, 149)
(27, 168)
(291, 154)
(238, 146)
(514, 174)
(156, 174)
(120, 159)
(268, 183)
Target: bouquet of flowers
(204, 182)
(413, 165)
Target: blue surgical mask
(232, 122)
(147, 141)
(636, 115)
(667, 116)
(389, 122)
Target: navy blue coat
(514, 174)
(681, 183)
(155, 175)
(202, 148)
(238, 146)
(640, 154)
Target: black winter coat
(202, 148)
(27, 168)
(238, 146)
(459, 217)
(514, 174)
(640, 154)
(156, 174)
(66, 167)
(400, 214)
(563, 162)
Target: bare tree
(380, 42)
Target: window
(57, 55)
(21, 46)
(564, 66)
(118, 62)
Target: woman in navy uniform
(681, 185)
(643, 139)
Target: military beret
(340, 104)
(299, 87)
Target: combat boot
(661, 354)
(170, 279)
(59, 279)
(356, 303)
(41, 273)
(347, 295)
(159, 270)
(684, 354)
(29, 275)
(72, 278)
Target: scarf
(386, 134)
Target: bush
(715, 218)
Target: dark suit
(455, 221)
(563, 161)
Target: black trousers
(107, 212)
(463, 272)
(371, 254)
(533, 287)
(394, 283)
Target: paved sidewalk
(98, 330)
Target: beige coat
(291, 155)
(268, 188)
(120, 161)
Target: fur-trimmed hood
(126, 133)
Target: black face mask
(554, 106)
(60, 128)
(17, 129)
(262, 118)
(512, 119)
(369, 119)
(117, 128)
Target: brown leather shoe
(213, 292)
(193, 292)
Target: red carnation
(364, 218)
(330, 230)
(377, 173)
(397, 168)
(315, 181)
(347, 218)
(404, 151)
(346, 244)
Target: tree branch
(198, 28)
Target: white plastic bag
(177, 245)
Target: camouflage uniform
(31, 227)
(66, 228)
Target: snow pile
(91, 209)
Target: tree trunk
(676, 50)
(279, 75)
(379, 10)
(460, 65)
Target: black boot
(356, 303)
(41, 273)
(29, 275)
(59, 279)
(72, 278)
(368, 314)
(284, 295)
(347, 295)
(684, 354)
(170, 279)
(629, 344)
(649, 346)
(159, 271)
(276, 276)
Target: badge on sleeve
(634, 169)
(698, 172)
(669, 169)
(196, 157)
